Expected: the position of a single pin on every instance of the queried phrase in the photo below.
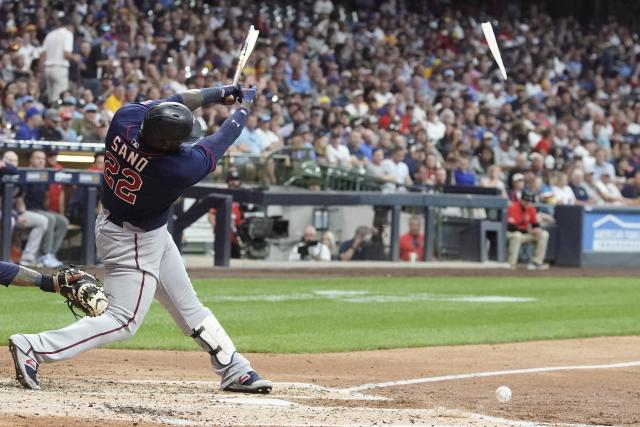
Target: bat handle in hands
(231, 94)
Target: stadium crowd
(403, 91)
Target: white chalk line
(370, 386)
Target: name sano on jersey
(135, 159)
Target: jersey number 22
(125, 187)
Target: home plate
(255, 401)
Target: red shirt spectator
(521, 217)
(56, 191)
(412, 242)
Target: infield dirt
(122, 387)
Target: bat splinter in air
(245, 52)
(487, 29)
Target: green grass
(298, 319)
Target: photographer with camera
(310, 248)
(366, 245)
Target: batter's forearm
(219, 142)
(196, 98)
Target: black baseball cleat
(26, 366)
(250, 382)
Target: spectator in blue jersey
(36, 198)
(30, 129)
(463, 173)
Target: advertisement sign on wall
(611, 232)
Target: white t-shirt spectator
(267, 138)
(564, 195)
(609, 191)
(399, 171)
(436, 130)
(605, 168)
(339, 156)
(55, 44)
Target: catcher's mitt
(85, 294)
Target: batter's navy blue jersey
(140, 186)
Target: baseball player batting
(147, 167)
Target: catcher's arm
(81, 290)
(16, 275)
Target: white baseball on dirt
(503, 394)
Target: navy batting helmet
(167, 125)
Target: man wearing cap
(68, 133)
(30, 129)
(57, 51)
(523, 227)
(358, 108)
(86, 127)
(49, 129)
(518, 186)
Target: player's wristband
(211, 95)
(46, 283)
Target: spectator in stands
(30, 129)
(523, 227)
(631, 190)
(26, 220)
(505, 154)
(396, 171)
(602, 166)
(86, 127)
(10, 112)
(68, 133)
(607, 189)
(249, 142)
(310, 249)
(366, 245)
(563, 193)
(49, 128)
(518, 186)
(590, 186)
(36, 200)
(338, 154)
(57, 51)
(412, 242)
(577, 186)
(463, 174)
(494, 180)
(56, 191)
